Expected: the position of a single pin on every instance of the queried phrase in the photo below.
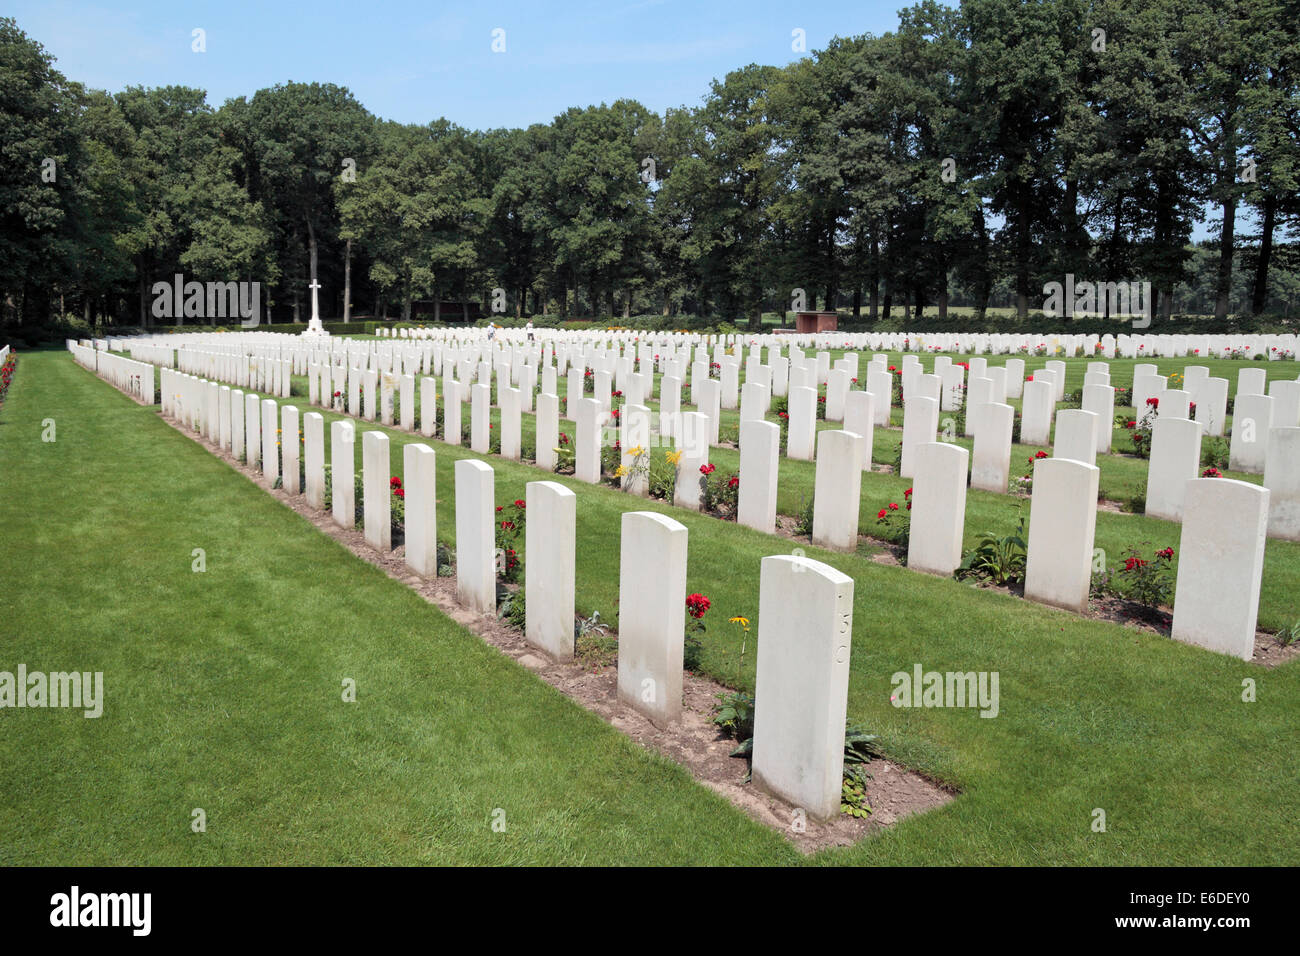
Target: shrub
(1000, 560)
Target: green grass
(227, 698)
(224, 688)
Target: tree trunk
(1022, 255)
(347, 282)
(1259, 296)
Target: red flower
(880, 515)
(564, 439)
(394, 482)
(618, 394)
(696, 605)
(893, 506)
(708, 469)
(500, 507)
(733, 482)
(907, 493)
(507, 526)
(520, 503)
(1166, 553)
(401, 493)
(1040, 454)
(1211, 473)
(1153, 402)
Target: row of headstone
(802, 676)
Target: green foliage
(999, 560)
(735, 715)
(512, 608)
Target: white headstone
(991, 460)
(313, 448)
(343, 463)
(1252, 417)
(760, 447)
(550, 554)
(938, 508)
(1220, 565)
(1062, 525)
(376, 471)
(421, 507)
(838, 490)
(1175, 459)
(289, 449)
(651, 615)
(476, 535)
(805, 630)
(1076, 435)
(920, 425)
(1282, 479)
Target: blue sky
(415, 62)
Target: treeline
(966, 159)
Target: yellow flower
(742, 621)
(636, 452)
(620, 471)
(673, 457)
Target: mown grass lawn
(1092, 715)
(224, 688)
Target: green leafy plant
(1288, 635)
(1146, 581)
(804, 525)
(999, 560)
(735, 715)
(512, 608)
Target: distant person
(529, 329)
(492, 331)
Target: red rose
(696, 605)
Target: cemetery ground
(222, 686)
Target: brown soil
(893, 792)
